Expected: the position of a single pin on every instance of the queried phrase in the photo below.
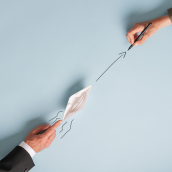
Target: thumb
(141, 41)
(40, 128)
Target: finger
(40, 128)
(52, 138)
(52, 134)
(130, 37)
(129, 40)
(135, 29)
(52, 128)
(141, 41)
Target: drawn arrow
(121, 54)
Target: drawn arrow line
(123, 54)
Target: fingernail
(135, 44)
(60, 122)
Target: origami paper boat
(76, 102)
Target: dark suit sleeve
(18, 160)
(170, 13)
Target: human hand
(157, 24)
(37, 141)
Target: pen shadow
(138, 16)
(10, 142)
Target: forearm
(162, 21)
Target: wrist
(29, 149)
(162, 21)
(28, 143)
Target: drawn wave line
(62, 127)
(68, 130)
(56, 117)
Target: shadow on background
(9, 143)
(137, 16)
(74, 88)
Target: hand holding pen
(157, 24)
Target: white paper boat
(76, 102)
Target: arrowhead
(123, 53)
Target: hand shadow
(138, 16)
(9, 143)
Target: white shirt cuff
(27, 148)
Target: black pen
(141, 35)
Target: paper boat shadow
(74, 88)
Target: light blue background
(52, 49)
